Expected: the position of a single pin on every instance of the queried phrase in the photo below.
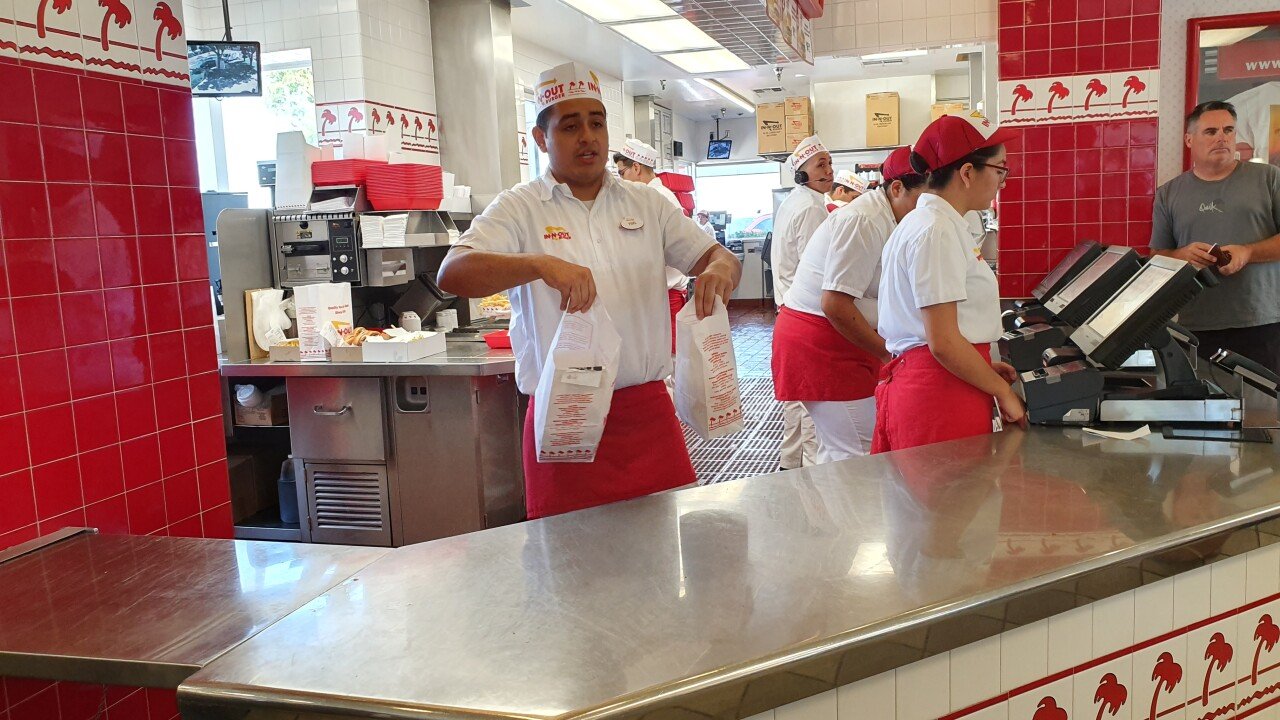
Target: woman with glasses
(939, 301)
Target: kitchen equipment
(410, 321)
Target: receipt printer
(1067, 394)
(1023, 348)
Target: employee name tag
(585, 378)
(630, 223)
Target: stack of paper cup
(447, 320)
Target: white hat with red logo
(640, 152)
(807, 148)
(848, 179)
(570, 81)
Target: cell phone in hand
(1221, 258)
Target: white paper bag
(706, 376)
(576, 387)
(317, 306)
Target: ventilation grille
(769, 91)
(348, 499)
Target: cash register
(1138, 315)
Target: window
(744, 190)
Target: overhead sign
(1249, 60)
(794, 28)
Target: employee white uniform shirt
(1253, 120)
(708, 228)
(798, 217)
(844, 255)
(676, 280)
(626, 237)
(930, 259)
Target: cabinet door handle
(319, 410)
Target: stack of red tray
(676, 182)
(341, 172)
(405, 187)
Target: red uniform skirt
(641, 452)
(677, 300)
(918, 402)
(813, 361)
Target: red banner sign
(1249, 60)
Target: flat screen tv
(719, 149)
(221, 68)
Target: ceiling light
(898, 54)
(727, 94)
(706, 61)
(610, 11)
(673, 35)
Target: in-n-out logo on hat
(807, 148)
(951, 138)
(640, 152)
(570, 81)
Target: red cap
(897, 165)
(950, 138)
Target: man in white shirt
(797, 218)
(847, 188)
(1256, 135)
(565, 241)
(704, 223)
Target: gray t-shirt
(1240, 209)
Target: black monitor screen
(719, 149)
(1086, 278)
(1137, 312)
(1127, 301)
(225, 69)
(1075, 261)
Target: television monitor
(221, 68)
(1131, 318)
(719, 149)
(1064, 272)
(1081, 297)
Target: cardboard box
(937, 110)
(275, 412)
(794, 140)
(882, 119)
(802, 124)
(432, 344)
(799, 105)
(286, 353)
(771, 134)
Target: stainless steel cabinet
(337, 419)
(348, 503)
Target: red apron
(641, 452)
(919, 402)
(813, 361)
(676, 299)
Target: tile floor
(754, 451)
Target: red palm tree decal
(1167, 675)
(327, 118)
(167, 24)
(417, 126)
(59, 6)
(431, 128)
(353, 116)
(404, 123)
(1267, 634)
(1057, 91)
(1048, 710)
(1021, 93)
(115, 10)
(1132, 85)
(1219, 653)
(1096, 89)
(391, 117)
(1111, 695)
(377, 118)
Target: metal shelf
(266, 525)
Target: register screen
(1129, 299)
(1087, 278)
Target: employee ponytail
(918, 163)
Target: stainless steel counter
(459, 358)
(150, 611)
(727, 600)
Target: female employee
(939, 303)
(826, 353)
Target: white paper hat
(640, 152)
(851, 181)
(570, 81)
(807, 148)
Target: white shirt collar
(547, 184)
(946, 210)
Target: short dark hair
(622, 161)
(910, 181)
(1194, 116)
(939, 178)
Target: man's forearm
(720, 259)
(475, 273)
(1265, 250)
(845, 317)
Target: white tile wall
(1171, 672)
(859, 27)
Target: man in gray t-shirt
(1222, 201)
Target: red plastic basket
(677, 182)
(498, 340)
(341, 172)
(405, 187)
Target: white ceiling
(554, 25)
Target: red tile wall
(41, 700)
(1075, 181)
(110, 414)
